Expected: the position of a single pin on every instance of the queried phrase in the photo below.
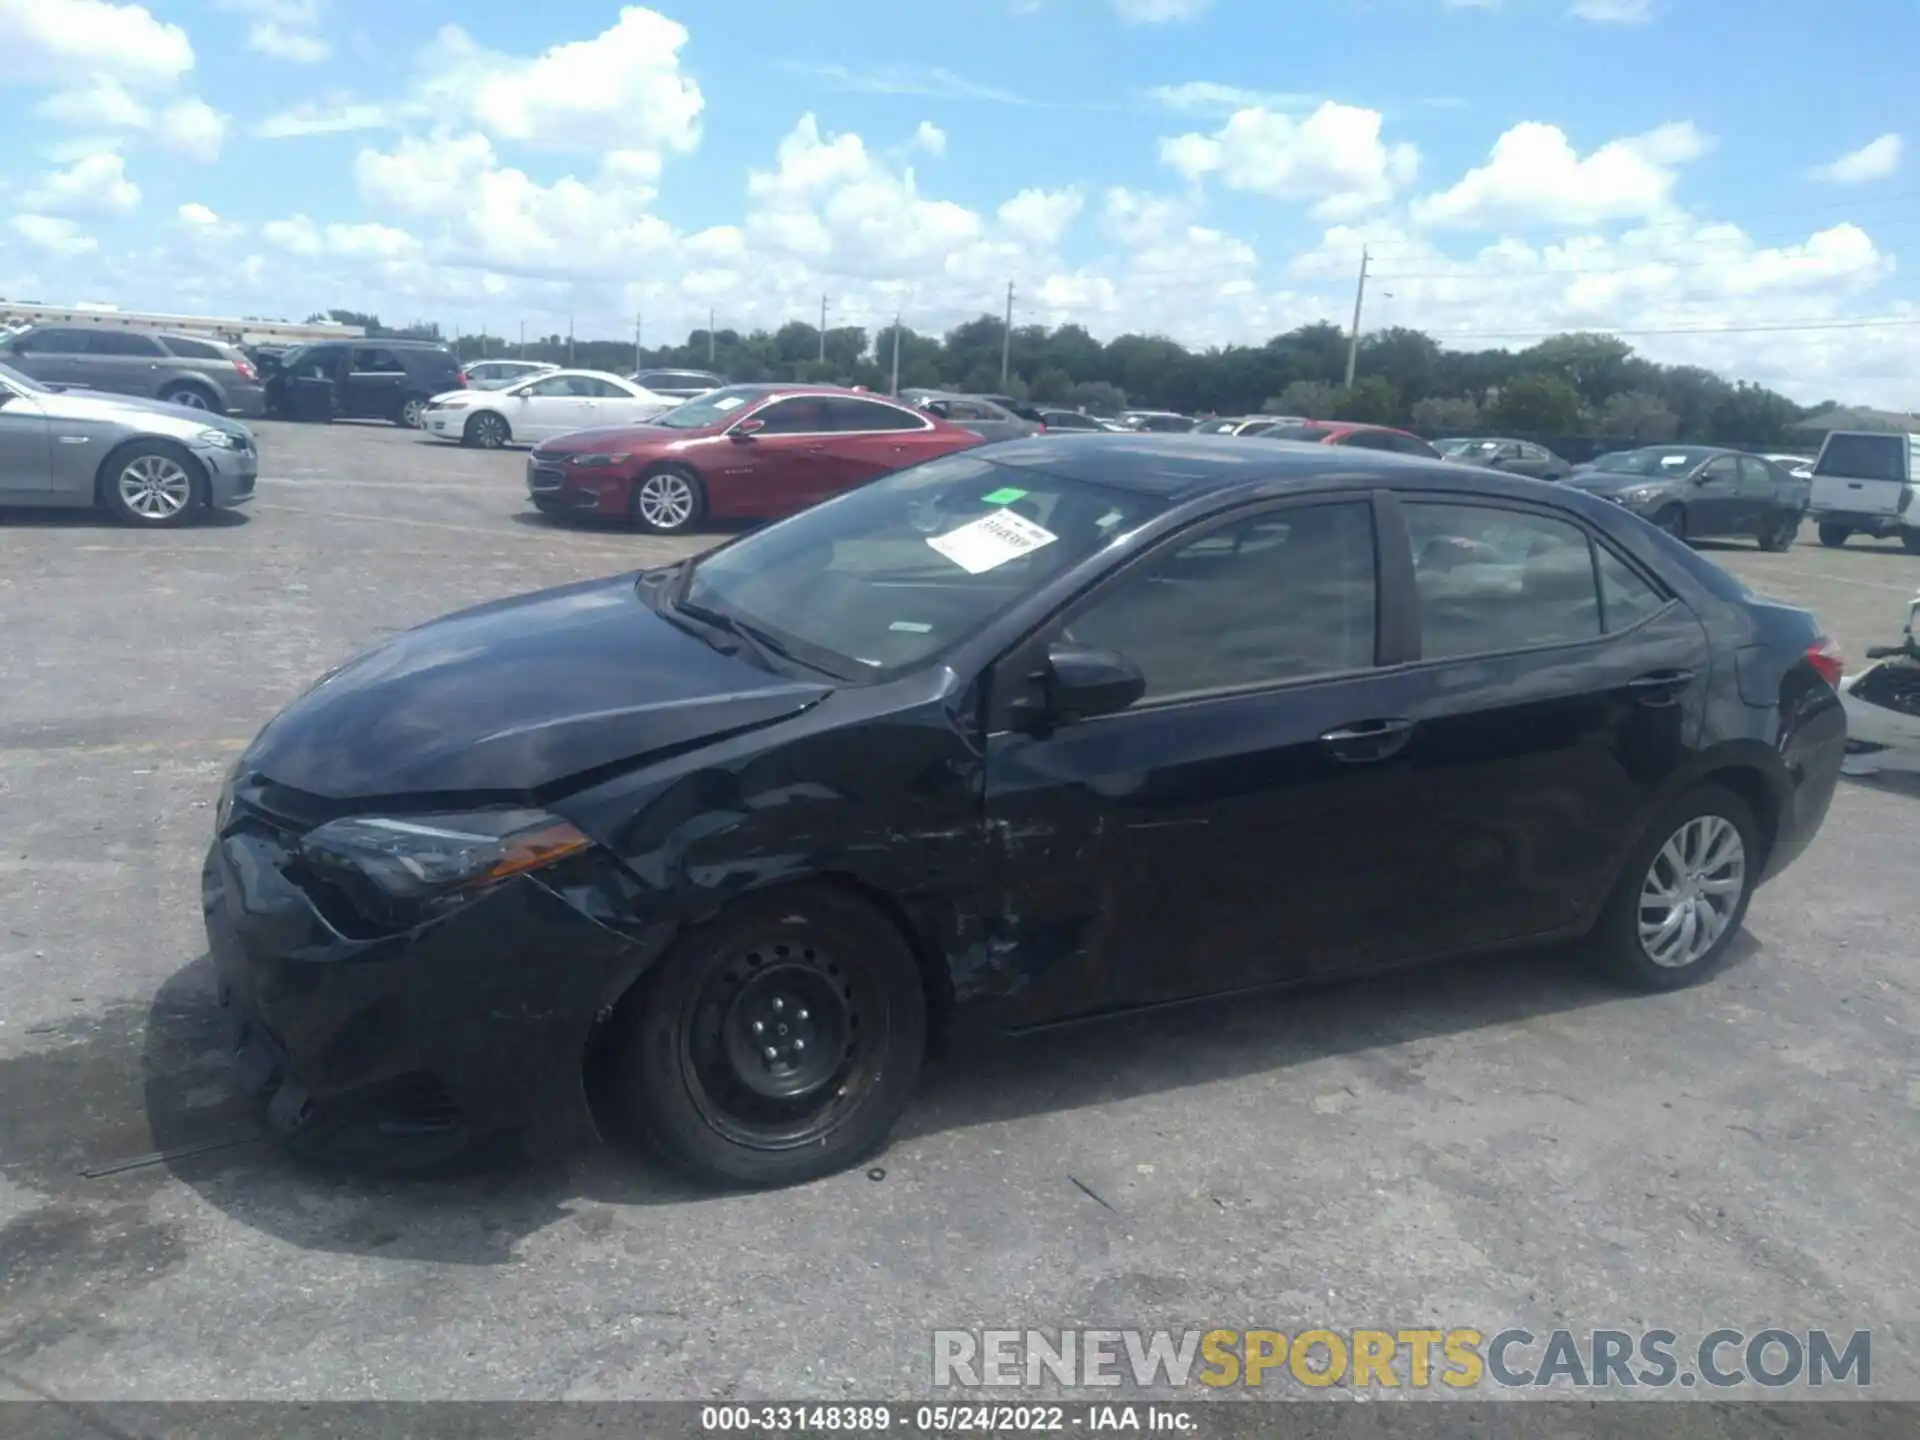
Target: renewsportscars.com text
(1457, 1359)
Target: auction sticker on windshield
(991, 541)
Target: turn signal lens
(1825, 657)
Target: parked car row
(186, 370)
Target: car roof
(1180, 466)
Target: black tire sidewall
(1910, 541)
(109, 484)
(651, 1087)
(699, 501)
(474, 432)
(1615, 940)
(1673, 520)
(1834, 536)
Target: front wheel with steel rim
(151, 486)
(486, 430)
(1683, 893)
(669, 501)
(773, 1044)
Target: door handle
(1660, 687)
(1366, 740)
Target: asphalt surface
(1486, 1145)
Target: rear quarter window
(1865, 457)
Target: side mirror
(741, 433)
(1079, 682)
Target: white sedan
(540, 408)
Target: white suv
(1864, 483)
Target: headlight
(216, 440)
(419, 856)
(597, 460)
(223, 807)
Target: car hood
(466, 395)
(515, 695)
(157, 416)
(1602, 482)
(622, 437)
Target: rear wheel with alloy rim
(486, 430)
(774, 1044)
(190, 396)
(669, 500)
(1684, 892)
(411, 411)
(151, 486)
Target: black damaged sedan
(1041, 731)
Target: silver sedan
(150, 463)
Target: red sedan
(1348, 432)
(745, 452)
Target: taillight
(1824, 655)
(245, 369)
(460, 379)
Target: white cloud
(1875, 160)
(196, 214)
(1041, 217)
(101, 101)
(1533, 174)
(1334, 157)
(96, 184)
(830, 203)
(79, 41)
(621, 90)
(1210, 98)
(53, 234)
(1159, 12)
(336, 116)
(192, 128)
(930, 138)
(283, 29)
(298, 236)
(1613, 12)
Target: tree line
(1583, 384)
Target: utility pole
(894, 388)
(523, 339)
(823, 329)
(569, 339)
(1359, 297)
(1006, 339)
(637, 322)
(710, 315)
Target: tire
(487, 431)
(152, 485)
(411, 410)
(193, 397)
(1910, 541)
(1780, 536)
(1834, 536)
(669, 500)
(689, 1075)
(1707, 815)
(1673, 520)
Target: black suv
(362, 380)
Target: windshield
(883, 578)
(716, 407)
(1655, 460)
(1457, 448)
(20, 382)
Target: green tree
(1637, 417)
(1449, 413)
(1372, 401)
(1538, 405)
(1309, 399)
(1097, 397)
(1594, 365)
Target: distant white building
(238, 330)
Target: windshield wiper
(763, 646)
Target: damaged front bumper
(408, 1049)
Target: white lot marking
(479, 487)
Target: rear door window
(191, 349)
(858, 416)
(1492, 580)
(52, 342)
(124, 343)
(1865, 457)
(377, 362)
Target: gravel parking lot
(1503, 1143)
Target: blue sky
(1698, 178)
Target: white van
(1865, 482)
